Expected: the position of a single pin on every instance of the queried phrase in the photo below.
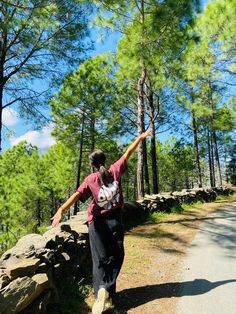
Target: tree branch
(15, 5)
(11, 102)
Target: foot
(99, 304)
(109, 305)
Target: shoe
(99, 304)
(109, 305)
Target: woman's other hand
(56, 218)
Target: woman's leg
(106, 242)
(117, 251)
(98, 253)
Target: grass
(176, 209)
(222, 197)
(155, 216)
(190, 206)
(72, 295)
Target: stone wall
(165, 201)
(31, 270)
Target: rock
(8, 260)
(132, 210)
(48, 258)
(43, 268)
(60, 258)
(70, 230)
(24, 267)
(144, 201)
(83, 214)
(51, 234)
(28, 243)
(39, 306)
(4, 279)
(66, 256)
(83, 229)
(21, 292)
(71, 248)
(81, 217)
(152, 197)
(41, 252)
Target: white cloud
(9, 117)
(42, 139)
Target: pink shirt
(104, 198)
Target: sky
(16, 129)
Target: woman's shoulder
(92, 177)
(120, 163)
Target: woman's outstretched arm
(135, 144)
(71, 200)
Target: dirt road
(209, 273)
(155, 273)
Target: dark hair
(97, 160)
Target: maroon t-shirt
(104, 198)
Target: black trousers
(106, 236)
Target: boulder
(9, 259)
(21, 292)
(53, 235)
(39, 306)
(24, 267)
(4, 279)
(26, 244)
(79, 228)
(131, 210)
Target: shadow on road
(131, 298)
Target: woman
(104, 217)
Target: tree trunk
(76, 205)
(38, 215)
(225, 164)
(92, 131)
(1, 95)
(187, 184)
(213, 132)
(196, 149)
(155, 176)
(127, 188)
(1, 112)
(134, 187)
(3, 43)
(212, 161)
(140, 187)
(145, 160)
(140, 122)
(210, 158)
(218, 168)
(145, 165)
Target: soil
(151, 274)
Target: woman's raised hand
(145, 134)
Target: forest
(173, 71)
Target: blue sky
(16, 129)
